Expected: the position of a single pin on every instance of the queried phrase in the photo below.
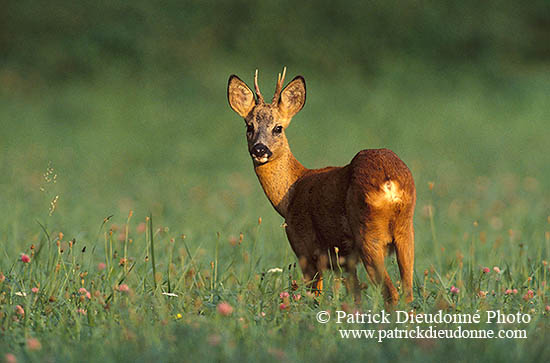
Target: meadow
(133, 228)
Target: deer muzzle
(260, 153)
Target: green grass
(175, 151)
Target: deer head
(266, 123)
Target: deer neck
(277, 178)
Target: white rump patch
(391, 191)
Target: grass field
(83, 165)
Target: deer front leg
(312, 262)
(313, 276)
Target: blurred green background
(127, 102)
(64, 40)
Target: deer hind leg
(370, 226)
(404, 250)
(372, 241)
(379, 275)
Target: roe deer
(364, 209)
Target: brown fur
(365, 208)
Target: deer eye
(249, 128)
(277, 129)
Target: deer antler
(279, 87)
(257, 89)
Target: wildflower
(33, 344)
(141, 227)
(297, 297)
(496, 269)
(283, 306)
(2, 277)
(275, 269)
(277, 353)
(19, 310)
(34, 290)
(10, 358)
(225, 309)
(515, 291)
(178, 316)
(547, 308)
(101, 266)
(214, 339)
(82, 311)
(508, 292)
(25, 258)
(123, 288)
(262, 314)
(528, 295)
(486, 270)
(482, 294)
(284, 295)
(84, 292)
(233, 240)
(455, 290)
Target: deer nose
(260, 150)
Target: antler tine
(279, 87)
(257, 89)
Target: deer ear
(241, 98)
(293, 97)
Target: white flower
(170, 294)
(275, 269)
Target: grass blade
(151, 234)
